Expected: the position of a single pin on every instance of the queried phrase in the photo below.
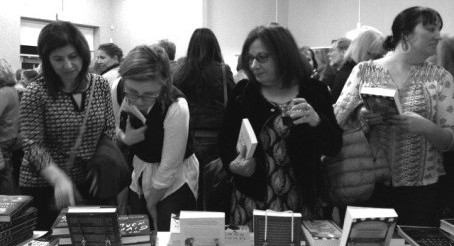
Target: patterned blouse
(50, 127)
(429, 92)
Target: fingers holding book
(243, 166)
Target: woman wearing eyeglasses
(293, 119)
(164, 180)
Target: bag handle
(224, 82)
(73, 150)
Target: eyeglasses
(135, 97)
(261, 58)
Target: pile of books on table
(17, 219)
(90, 225)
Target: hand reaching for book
(132, 136)
(64, 193)
(241, 165)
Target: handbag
(218, 183)
(108, 171)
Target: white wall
(139, 22)
(317, 22)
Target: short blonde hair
(7, 75)
(369, 42)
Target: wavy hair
(283, 48)
(145, 63)
(7, 75)
(58, 35)
(368, 43)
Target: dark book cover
(93, 226)
(425, 236)
(60, 225)
(134, 228)
(18, 227)
(19, 235)
(276, 228)
(31, 212)
(381, 100)
(11, 206)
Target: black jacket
(305, 145)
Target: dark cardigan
(305, 145)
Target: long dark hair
(406, 21)
(203, 51)
(283, 48)
(57, 35)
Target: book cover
(60, 225)
(368, 226)
(200, 228)
(276, 228)
(28, 214)
(174, 237)
(247, 138)
(382, 100)
(321, 232)
(425, 236)
(134, 228)
(93, 226)
(447, 225)
(136, 118)
(31, 222)
(17, 236)
(46, 240)
(11, 206)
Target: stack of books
(276, 228)
(134, 229)
(425, 236)
(17, 219)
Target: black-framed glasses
(261, 58)
(135, 97)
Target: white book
(200, 228)
(381, 100)
(321, 232)
(368, 225)
(247, 138)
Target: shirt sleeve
(349, 98)
(109, 130)
(32, 127)
(176, 130)
(445, 105)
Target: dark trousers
(206, 149)
(415, 205)
(182, 199)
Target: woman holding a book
(52, 113)
(154, 122)
(413, 140)
(293, 120)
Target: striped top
(50, 127)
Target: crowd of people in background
(170, 118)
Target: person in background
(201, 78)
(52, 110)
(9, 127)
(291, 115)
(335, 57)
(109, 59)
(366, 46)
(166, 170)
(310, 56)
(240, 73)
(170, 48)
(413, 141)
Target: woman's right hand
(370, 117)
(132, 136)
(63, 192)
(242, 166)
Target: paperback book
(321, 232)
(134, 228)
(11, 206)
(447, 225)
(276, 228)
(425, 236)
(381, 100)
(27, 215)
(368, 226)
(246, 138)
(200, 228)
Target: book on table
(368, 226)
(200, 228)
(276, 228)
(447, 225)
(28, 215)
(381, 100)
(246, 137)
(321, 232)
(93, 226)
(11, 206)
(424, 235)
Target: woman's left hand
(302, 112)
(152, 197)
(410, 122)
